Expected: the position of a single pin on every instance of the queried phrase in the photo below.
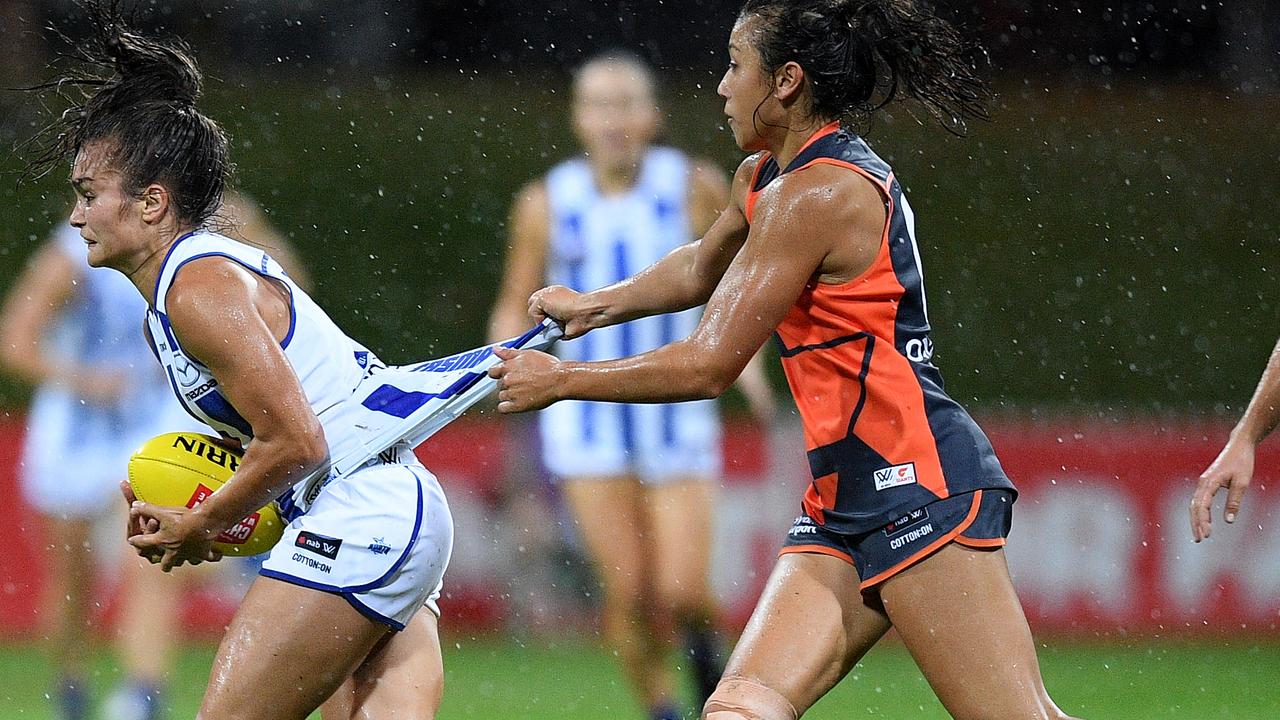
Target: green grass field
(498, 678)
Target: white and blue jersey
(329, 365)
(76, 450)
(375, 527)
(597, 240)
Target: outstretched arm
(685, 278)
(1233, 468)
(792, 234)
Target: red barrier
(1102, 540)
(1100, 543)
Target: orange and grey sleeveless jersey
(883, 438)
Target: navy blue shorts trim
(978, 519)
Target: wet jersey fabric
(883, 438)
(364, 406)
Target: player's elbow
(308, 449)
(710, 380)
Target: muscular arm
(232, 321)
(685, 278)
(802, 222)
(526, 263)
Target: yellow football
(181, 469)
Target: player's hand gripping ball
(182, 469)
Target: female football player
(335, 613)
(904, 521)
(638, 479)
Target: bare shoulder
(205, 286)
(823, 193)
(743, 176)
(747, 168)
(532, 197)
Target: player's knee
(738, 698)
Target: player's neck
(793, 140)
(149, 265)
(615, 180)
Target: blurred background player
(1233, 468)
(75, 332)
(639, 479)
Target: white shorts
(652, 442)
(75, 454)
(379, 537)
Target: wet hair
(860, 55)
(138, 94)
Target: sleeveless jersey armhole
(752, 191)
(293, 304)
(884, 188)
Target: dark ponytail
(860, 55)
(139, 94)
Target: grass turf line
(503, 678)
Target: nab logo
(895, 476)
(915, 517)
(319, 544)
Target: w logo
(894, 476)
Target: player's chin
(95, 256)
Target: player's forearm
(672, 284)
(1263, 413)
(672, 373)
(267, 470)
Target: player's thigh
(403, 677)
(286, 650)
(679, 513)
(961, 620)
(808, 629)
(608, 514)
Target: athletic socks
(706, 657)
(72, 698)
(134, 700)
(665, 711)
